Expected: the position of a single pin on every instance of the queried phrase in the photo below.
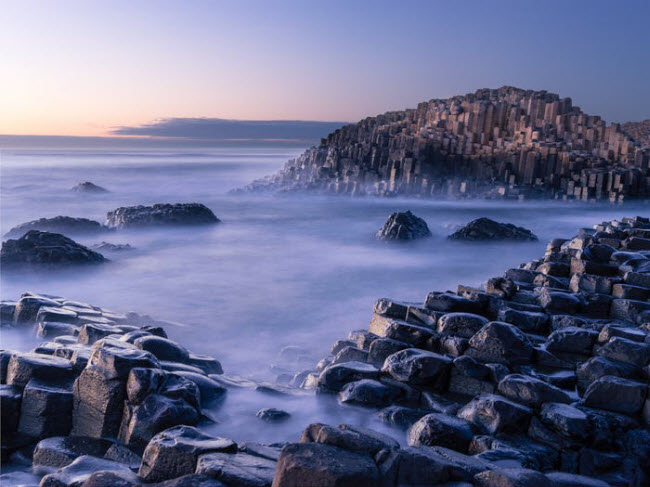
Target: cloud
(212, 129)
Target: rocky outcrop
(487, 229)
(88, 187)
(110, 247)
(638, 131)
(160, 215)
(43, 249)
(59, 224)
(403, 226)
(494, 143)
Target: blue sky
(82, 68)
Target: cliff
(506, 142)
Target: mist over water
(280, 270)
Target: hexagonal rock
(175, 451)
(368, 392)
(530, 391)
(441, 430)
(350, 438)
(24, 366)
(571, 340)
(162, 348)
(566, 420)
(45, 410)
(118, 362)
(319, 465)
(627, 351)
(334, 377)
(83, 467)
(496, 414)
(616, 394)
(418, 367)
(501, 343)
(59, 451)
(464, 325)
(597, 367)
(238, 468)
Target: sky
(88, 67)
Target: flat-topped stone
(160, 215)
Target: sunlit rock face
(507, 142)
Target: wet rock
(239, 469)
(273, 415)
(24, 366)
(495, 414)
(349, 438)
(60, 451)
(449, 303)
(511, 477)
(559, 302)
(441, 430)
(334, 377)
(487, 229)
(59, 224)
(52, 330)
(88, 187)
(118, 362)
(403, 226)
(191, 480)
(174, 452)
(81, 469)
(435, 466)
(210, 391)
(350, 354)
(108, 478)
(626, 351)
(46, 410)
(37, 249)
(121, 454)
(500, 343)
(400, 416)
(368, 392)
(566, 420)
(597, 367)
(92, 332)
(399, 330)
(321, 465)
(464, 325)
(572, 340)
(616, 394)
(527, 321)
(381, 348)
(162, 348)
(160, 214)
(530, 391)
(418, 367)
(10, 398)
(564, 479)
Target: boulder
(368, 392)
(160, 215)
(191, 480)
(273, 415)
(111, 247)
(241, 469)
(334, 377)
(511, 477)
(464, 325)
(60, 451)
(88, 187)
(496, 414)
(175, 452)
(111, 478)
(487, 229)
(572, 340)
(381, 348)
(616, 394)
(82, 468)
(10, 399)
(567, 420)
(418, 367)
(46, 410)
(626, 351)
(400, 416)
(441, 430)
(320, 465)
(500, 343)
(564, 479)
(24, 366)
(403, 226)
(530, 391)
(597, 367)
(350, 438)
(36, 249)
(162, 348)
(59, 224)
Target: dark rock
(162, 348)
(461, 324)
(418, 367)
(400, 416)
(527, 321)
(111, 247)
(500, 343)
(239, 469)
(399, 330)
(572, 340)
(160, 214)
(118, 362)
(174, 452)
(273, 415)
(82, 468)
(108, 478)
(486, 229)
(121, 454)
(334, 377)
(191, 480)
(559, 302)
(348, 438)
(616, 394)
(381, 348)
(10, 398)
(59, 224)
(435, 466)
(350, 354)
(449, 302)
(511, 477)
(88, 187)
(530, 391)
(564, 479)
(320, 465)
(626, 351)
(566, 420)
(597, 367)
(45, 410)
(92, 332)
(210, 391)
(60, 451)
(403, 226)
(37, 248)
(24, 366)
(496, 414)
(50, 329)
(441, 430)
(368, 392)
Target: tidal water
(280, 270)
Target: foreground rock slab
(160, 215)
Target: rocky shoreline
(541, 377)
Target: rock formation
(88, 187)
(638, 131)
(539, 378)
(160, 215)
(508, 142)
(45, 249)
(403, 226)
(487, 229)
(59, 224)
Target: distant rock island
(494, 143)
